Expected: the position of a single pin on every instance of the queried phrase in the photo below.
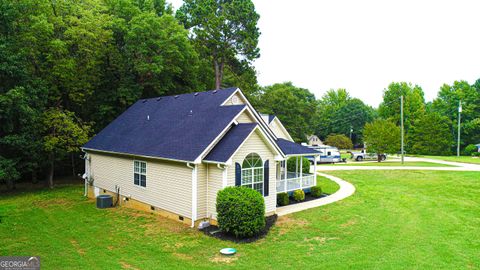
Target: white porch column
(301, 172)
(285, 177)
(315, 169)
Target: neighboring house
(313, 140)
(478, 147)
(171, 155)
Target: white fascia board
(263, 125)
(283, 128)
(199, 159)
(132, 155)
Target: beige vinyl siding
(201, 191)
(215, 183)
(169, 184)
(256, 144)
(239, 100)
(277, 130)
(244, 117)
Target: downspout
(194, 192)
(86, 175)
(224, 174)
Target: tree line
(68, 68)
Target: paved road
(458, 166)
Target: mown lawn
(395, 220)
(394, 163)
(464, 159)
(327, 185)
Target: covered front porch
(294, 178)
(288, 181)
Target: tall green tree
(414, 103)
(447, 104)
(339, 113)
(382, 137)
(294, 106)
(63, 134)
(430, 135)
(225, 31)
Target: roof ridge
(190, 93)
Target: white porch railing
(295, 181)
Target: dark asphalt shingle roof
(174, 127)
(230, 142)
(291, 148)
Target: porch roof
(291, 148)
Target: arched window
(252, 172)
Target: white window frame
(252, 175)
(139, 172)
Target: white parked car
(364, 155)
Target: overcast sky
(364, 45)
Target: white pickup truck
(364, 155)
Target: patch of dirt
(53, 202)
(224, 259)
(214, 231)
(348, 223)
(77, 247)
(287, 223)
(318, 239)
(127, 266)
(183, 256)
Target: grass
(395, 220)
(395, 163)
(327, 185)
(464, 159)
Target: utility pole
(401, 123)
(459, 119)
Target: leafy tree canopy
(294, 106)
(382, 136)
(339, 140)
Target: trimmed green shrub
(316, 191)
(299, 195)
(476, 154)
(240, 211)
(282, 199)
(305, 166)
(470, 149)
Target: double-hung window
(140, 173)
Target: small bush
(316, 191)
(476, 154)
(299, 195)
(291, 163)
(240, 211)
(282, 199)
(470, 149)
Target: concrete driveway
(458, 166)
